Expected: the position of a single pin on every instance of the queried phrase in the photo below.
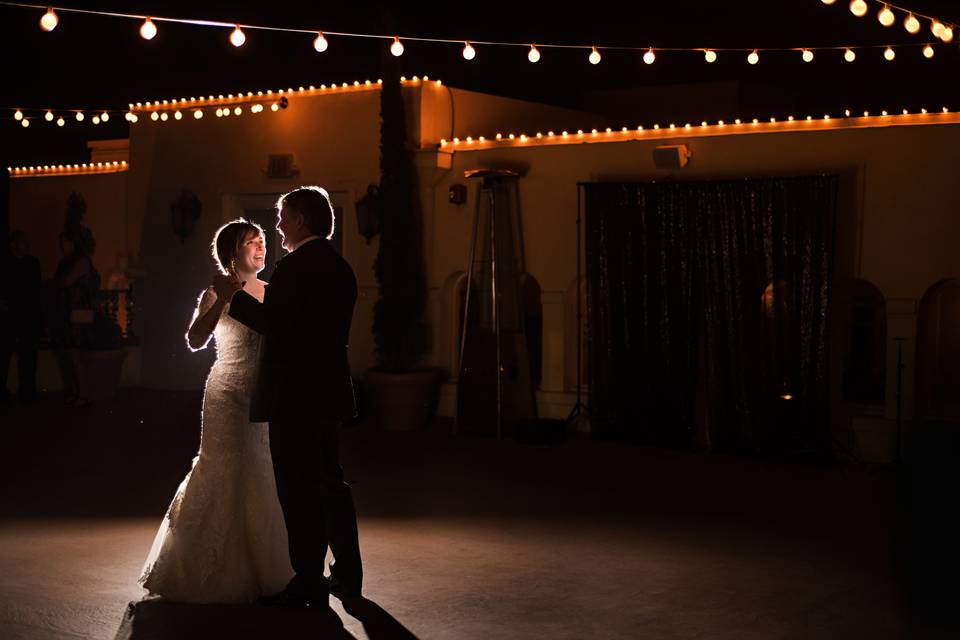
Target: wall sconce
(184, 214)
(368, 213)
(458, 194)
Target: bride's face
(253, 251)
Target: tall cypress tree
(400, 331)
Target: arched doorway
(938, 353)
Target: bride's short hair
(229, 238)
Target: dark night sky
(96, 62)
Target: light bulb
(237, 111)
(237, 37)
(889, 54)
(48, 116)
(177, 115)
(469, 53)
(911, 24)
(154, 116)
(849, 55)
(134, 118)
(25, 123)
(710, 55)
(928, 52)
(79, 116)
(886, 16)
(858, 8)
(148, 30)
(754, 57)
(936, 27)
(18, 115)
(594, 56)
(828, 1)
(49, 20)
(198, 114)
(533, 55)
(649, 56)
(96, 119)
(61, 122)
(396, 48)
(274, 107)
(807, 55)
(104, 117)
(947, 34)
(320, 43)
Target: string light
(807, 55)
(533, 55)
(469, 53)
(60, 169)
(911, 24)
(25, 123)
(594, 57)
(849, 55)
(928, 52)
(237, 37)
(61, 121)
(828, 1)
(886, 16)
(936, 28)
(889, 54)
(722, 127)
(79, 116)
(148, 30)
(104, 117)
(49, 20)
(320, 43)
(177, 115)
(48, 116)
(18, 115)
(754, 57)
(96, 120)
(198, 114)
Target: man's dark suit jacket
(303, 371)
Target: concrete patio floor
(462, 538)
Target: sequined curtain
(708, 307)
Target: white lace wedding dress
(223, 538)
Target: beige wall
(898, 224)
(38, 205)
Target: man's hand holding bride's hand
(226, 285)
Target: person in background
(21, 325)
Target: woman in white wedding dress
(223, 538)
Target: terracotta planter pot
(403, 401)
(100, 373)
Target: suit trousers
(317, 504)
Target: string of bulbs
(945, 31)
(237, 37)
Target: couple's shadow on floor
(156, 619)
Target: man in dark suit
(303, 389)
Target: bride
(223, 538)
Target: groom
(302, 387)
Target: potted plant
(403, 391)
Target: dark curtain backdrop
(708, 302)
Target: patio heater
(494, 386)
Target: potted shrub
(403, 391)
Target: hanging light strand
(942, 29)
(237, 30)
